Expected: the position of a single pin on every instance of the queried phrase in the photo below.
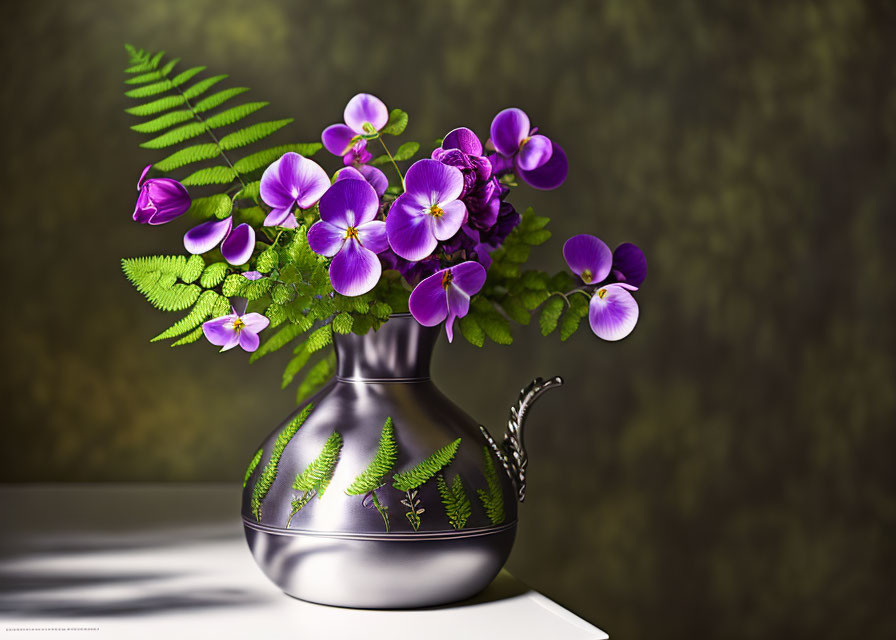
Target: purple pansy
(374, 176)
(428, 211)
(292, 181)
(364, 114)
(613, 311)
(161, 200)
(446, 295)
(538, 161)
(235, 329)
(237, 244)
(348, 233)
(588, 257)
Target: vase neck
(400, 350)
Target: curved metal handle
(512, 450)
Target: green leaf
(318, 474)
(472, 331)
(550, 314)
(318, 375)
(213, 274)
(425, 469)
(156, 278)
(189, 155)
(200, 312)
(264, 158)
(185, 76)
(156, 106)
(298, 362)
(267, 260)
(398, 120)
(216, 206)
(190, 338)
(536, 238)
(163, 121)
(192, 269)
(320, 338)
(374, 475)
(250, 191)
(210, 175)
(492, 498)
(406, 151)
(455, 500)
(234, 114)
(149, 90)
(252, 465)
(342, 323)
(202, 86)
(277, 341)
(269, 474)
(569, 323)
(252, 133)
(175, 136)
(217, 99)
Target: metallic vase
(336, 550)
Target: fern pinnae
(492, 498)
(409, 481)
(455, 500)
(316, 477)
(373, 477)
(252, 465)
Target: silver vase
(442, 541)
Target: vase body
(338, 549)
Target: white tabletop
(141, 561)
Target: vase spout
(512, 450)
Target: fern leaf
(318, 474)
(234, 114)
(252, 464)
(373, 476)
(144, 78)
(250, 192)
(262, 159)
(455, 500)
(156, 106)
(425, 469)
(186, 76)
(163, 121)
(196, 153)
(472, 331)
(200, 312)
(277, 341)
(269, 474)
(213, 275)
(156, 278)
(569, 323)
(216, 206)
(320, 338)
(295, 365)
(210, 175)
(190, 338)
(149, 90)
(196, 90)
(252, 133)
(175, 136)
(317, 376)
(550, 314)
(492, 499)
(343, 323)
(192, 269)
(217, 99)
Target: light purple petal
(453, 216)
(551, 174)
(431, 182)
(208, 235)
(588, 257)
(238, 246)
(409, 231)
(219, 331)
(255, 322)
(535, 152)
(509, 128)
(468, 277)
(372, 236)
(249, 341)
(349, 203)
(281, 218)
(463, 139)
(311, 180)
(428, 302)
(337, 139)
(629, 264)
(325, 239)
(449, 326)
(613, 312)
(277, 188)
(365, 108)
(293, 179)
(458, 301)
(355, 270)
(143, 175)
(376, 178)
(232, 341)
(253, 275)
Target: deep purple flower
(428, 210)
(235, 329)
(364, 114)
(446, 294)
(291, 181)
(613, 311)
(374, 176)
(348, 232)
(237, 244)
(161, 200)
(588, 257)
(538, 161)
(482, 192)
(629, 264)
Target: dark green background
(727, 471)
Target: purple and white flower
(538, 161)
(445, 295)
(372, 175)
(235, 329)
(348, 232)
(588, 257)
(613, 311)
(237, 244)
(428, 211)
(161, 200)
(292, 181)
(364, 114)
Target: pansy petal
(310, 179)
(508, 129)
(408, 230)
(376, 178)
(280, 218)
(325, 239)
(535, 152)
(454, 214)
(613, 312)
(349, 203)
(588, 257)
(431, 182)
(463, 139)
(428, 302)
(337, 139)
(206, 236)
(551, 174)
(629, 264)
(143, 175)
(372, 236)
(219, 330)
(365, 108)
(468, 277)
(274, 190)
(238, 246)
(232, 341)
(458, 301)
(255, 322)
(248, 340)
(355, 270)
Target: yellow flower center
(601, 293)
(350, 233)
(447, 277)
(587, 276)
(238, 324)
(436, 211)
(523, 142)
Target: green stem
(381, 509)
(394, 164)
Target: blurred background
(727, 471)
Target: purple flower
(364, 115)
(253, 275)
(588, 257)
(235, 329)
(291, 181)
(428, 210)
(161, 200)
(629, 264)
(374, 176)
(236, 244)
(348, 233)
(446, 294)
(613, 311)
(540, 162)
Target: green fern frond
(317, 376)
(277, 341)
(213, 275)
(163, 121)
(425, 469)
(156, 278)
(210, 175)
(149, 90)
(189, 155)
(190, 338)
(374, 475)
(186, 76)
(192, 269)
(175, 136)
(203, 308)
(550, 314)
(250, 192)
(455, 500)
(493, 498)
(217, 99)
(199, 88)
(320, 338)
(569, 323)
(234, 114)
(252, 134)
(252, 464)
(318, 474)
(295, 365)
(269, 474)
(156, 106)
(262, 159)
